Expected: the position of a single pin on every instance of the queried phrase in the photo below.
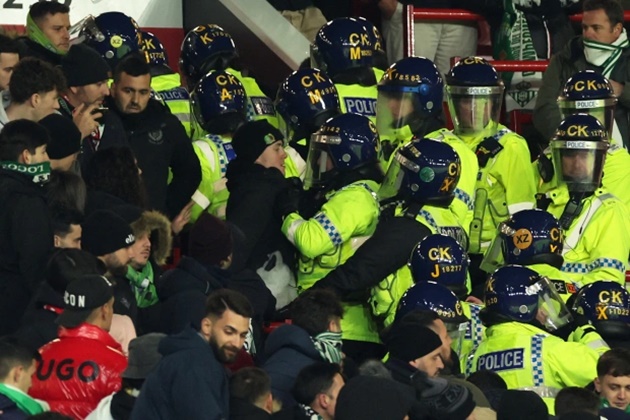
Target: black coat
(160, 142)
(30, 48)
(38, 323)
(26, 239)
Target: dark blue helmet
(580, 137)
(219, 102)
(473, 71)
(113, 35)
(517, 293)
(156, 53)
(342, 44)
(378, 44)
(442, 259)
(424, 171)
(589, 92)
(531, 237)
(205, 47)
(432, 296)
(607, 305)
(306, 99)
(343, 143)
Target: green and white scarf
(328, 344)
(39, 172)
(36, 34)
(605, 55)
(143, 285)
(23, 401)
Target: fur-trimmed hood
(158, 227)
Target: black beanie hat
(210, 240)
(65, 137)
(409, 342)
(83, 65)
(445, 400)
(252, 138)
(373, 398)
(516, 405)
(104, 232)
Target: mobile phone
(102, 110)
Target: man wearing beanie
(48, 32)
(65, 142)
(86, 75)
(109, 237)
(416, 346)
(84, 365)
(374, 398)
(255, 180)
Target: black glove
(288, 200)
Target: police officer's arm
(573, 364)
(384, 253)
(547, 114)
(185, 167)
(587, 335)
(347, 214)
(517, 176)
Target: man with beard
(190, 381)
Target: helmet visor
(394, 110)
(474, 109)
(552, 311)
(319, 163)
(602, 109)
(84, 29)
(457, 332)
(317, 62)
(395, 176)
(579, 163)
(495, 255)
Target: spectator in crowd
(250, 395)
(157, 138)
(373, 398)
(522, 405)
(34, 91)
(193, 364)
(143, 358)
(574, 399)
(66, 224)
(415, 347)
(17, 366)
(303, 15)
(48, 32)
(66, 190)
(613, 379)
(86, 75)
(38, 325)
(65, 142)
(491, 384)
(26, 237)
(9, 57)
(110, 238)
(84, 348)
(313, 336)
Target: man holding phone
(86, 75)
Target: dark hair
(612, 8)
(486, 380)
(63, 219)
(314, 309)
(250, 384)
(32, 75)
(20, 135)
(8, 45)
(134, 65)
(67, 265)
(615, 362)
(13, 354)
(66, 191)
(314, 379)
(575, 399)
(223, 299)
(114, 171)
(39, 10)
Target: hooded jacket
(78, 370)
(188, 383)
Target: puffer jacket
(78, 370)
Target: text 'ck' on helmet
(153, 47)
(607, 305)
(429, 295)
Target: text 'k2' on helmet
(113, 35)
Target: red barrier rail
(578, 17)
(520, 65)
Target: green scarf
(23, 401)
(39, 172)
(36, 35)
(328, 344)
(606, 404)
(143, 285)
(605, 55)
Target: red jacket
(78, 369)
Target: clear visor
(552, 311)
(494, 257)
(394, 110)
(316, 59)
(284, 127)
(394, 176)
(84, 28)
(579, 164)
(319, 163)
(474, 109)
(602, 109)
(457, 332)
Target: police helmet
(378, 44)
(589, 92)
(153, 47)
(113, 35)
(517, 293)
(342, 144)
(306, 99)
(442, 259)
(219, 102)
(607, 305)
(579, 151)
(429, 295)
(424, 171)
(204, 48)
(475, 93)
(342, 44)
